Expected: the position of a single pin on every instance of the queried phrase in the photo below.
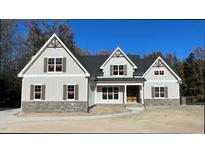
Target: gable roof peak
(118, 48)
(42, 49)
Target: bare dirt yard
(183, 119)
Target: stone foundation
(54, 106)
(162, 102)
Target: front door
(133, 94)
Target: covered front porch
(119, 93)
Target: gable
(118, 53)
(160, 65)
(118, 59)
(53, 48)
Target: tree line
(21, 39)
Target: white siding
(38, 66)
(54, 87)
(173, 89)
(118, 61)
(167, 74)
(166, 80)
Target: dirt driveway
(184, 119)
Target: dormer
(117, 65)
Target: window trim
(110, 100)
(54, 65)
(67, 99)
(118, 70)
(159, 73)
(159, 92)
(40, 99)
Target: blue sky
(141, 37)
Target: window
(59, 64)
(110, 93)
(104, 93)
(71, 91)
(161, 72)
(51, 65)
(116, 95)
(159, 92)
(55, 64)
(156, 72)
(162, 91)
(156, 91)
(37, 91)
(115, 69)
(118, 70)
(121, 69)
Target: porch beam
(119, 84)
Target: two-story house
(58, 80)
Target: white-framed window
(159, 92)
(55, 64)
(118, 70)
(71, 92)
(110, 93)
(159, 72)
(37, 92)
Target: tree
(8, 41)
(154, 54)
(41, 30)
(172, 59)
(9, 53)
(104, 53)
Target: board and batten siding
(54, 87)
(118, 61)
(166, 80)
(39, 68)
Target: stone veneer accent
(53, 106)
(162, 102)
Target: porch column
(142, 94)
(125, 94)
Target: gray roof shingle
(93, 62)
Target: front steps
(132, 106)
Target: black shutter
(43, 92)
(166, 92)
(76, 91)
(64, 64)
(45, 64)
(111, 72)
(125, 69)
(31, 92)
(152, 92)
(64, 92)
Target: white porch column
(125, 94)
(142, 93)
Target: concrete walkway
(9, 116)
